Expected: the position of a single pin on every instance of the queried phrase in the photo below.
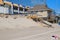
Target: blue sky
(53, 4)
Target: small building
(11, 8)
(23, 10)
(57, 18)
(41, 10)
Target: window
(21, 9)
(41, 11)
(14, 7)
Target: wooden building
(11, 8)
(40, 10)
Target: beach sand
(14, 22)
(22, 28)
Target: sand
(20, 22)
(30, 33)
(22, 28)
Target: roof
(15, 5)
(27, 7)
(39, 8)
(1, 1)
(6, 2)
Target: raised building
(11, 8)
(40, 10)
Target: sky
(53, 4)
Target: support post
(12, 9)
(18, 10)
(23, 10)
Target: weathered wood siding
(42, 14)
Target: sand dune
(16, 23)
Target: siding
(43, 14)
(4, 10)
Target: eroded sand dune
(16, 23)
